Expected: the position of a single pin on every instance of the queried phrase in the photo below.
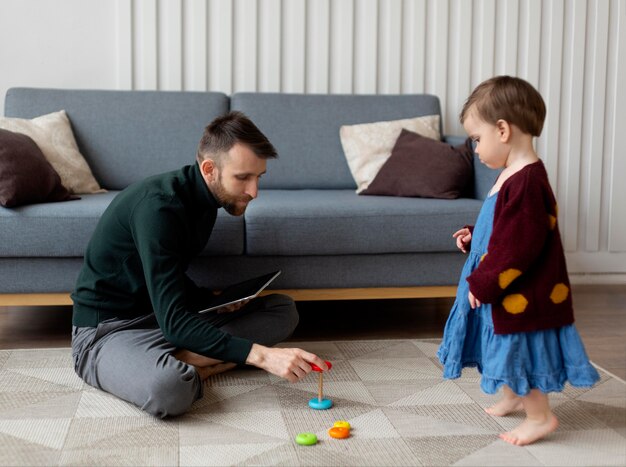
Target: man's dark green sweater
(136, 263)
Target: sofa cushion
(126, 136)
(53, 134)
(484, 177)
(64, 229)
(425, 168)
(340, 222)
(304, 128)
(368, 146)
(26, 176)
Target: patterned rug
(401, 411)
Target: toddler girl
(513, 316)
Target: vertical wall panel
(124, 46)
(550, 86)
(145, 45)
(365, 46)
(483, 40)
(342, 48)
(459, 61)
(294, 35)
(270, 21)
(507, 16)
(390, 47)
(529, 50)
(571, 105)
(195, 51)
(169, 45)
(437, 15)
(571, 50)
(221, 49)
(593, 122)
(617, 203)
(245, 47)
(317, 46)
(413, 45)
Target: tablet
(241, 291)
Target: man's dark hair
(225, 131)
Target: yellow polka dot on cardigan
(551, 221)
(559, 293)
(508, 276)
(515, 303)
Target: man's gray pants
(132, 360)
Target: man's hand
(463, 238)
(232, 307)
(290, 364)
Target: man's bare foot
(505, 406)
(530, 431)
(206, 371)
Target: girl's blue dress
(542, 360)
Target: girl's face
(489, 140)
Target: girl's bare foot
(531, 430)
(505, 406)
(510, 402)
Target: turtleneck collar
(199, 188)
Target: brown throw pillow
(25, 175)
(423, 167)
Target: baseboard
(597, 279)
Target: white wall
(572, 50)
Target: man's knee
(287, 309)
(173, 391)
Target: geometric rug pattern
(391, 391)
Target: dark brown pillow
(26, 176)
(424, 167)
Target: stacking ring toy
(339, 432)
(314, 367)
(342, 424)
(320, 404)
(306, 439)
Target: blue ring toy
(323, 404)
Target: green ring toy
(306, 439)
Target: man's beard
(229, 201)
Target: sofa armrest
(484, 177)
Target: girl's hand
(474, 302)
(463, 238)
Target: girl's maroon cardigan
(523, 275)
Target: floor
(600, 318)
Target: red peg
(314, 367)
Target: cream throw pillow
(367, 146)
(53, 134)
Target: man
(136, 331)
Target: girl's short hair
(508, 98)
(225, 131)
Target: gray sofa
(307, 219)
